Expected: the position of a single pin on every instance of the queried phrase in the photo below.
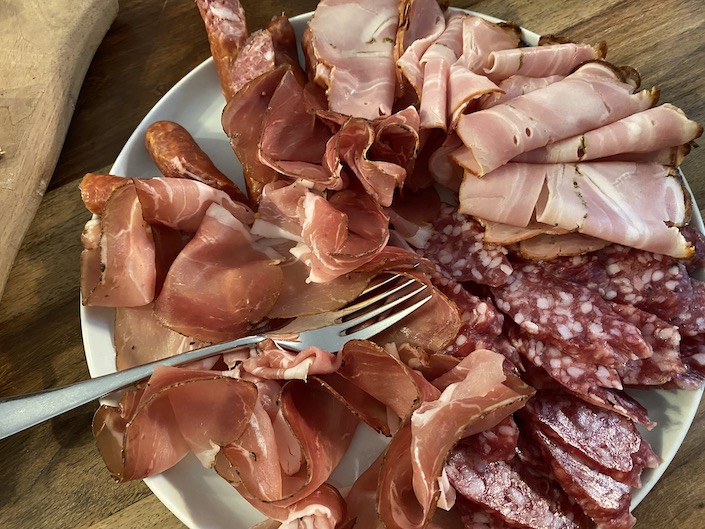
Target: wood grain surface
(52, 475)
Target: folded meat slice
(199, 411)
(341, 233)
(354, 61)
(221, 285)
(651, 130)
(126, 273)
(515, 86)
(96, 189)
(639, 205)
(541, 61)
(481, 38)
(594, 95)
(226, 27)
(242, 122)
(181, 204)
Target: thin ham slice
(127, 270)
(651, 130)
(515, 86)
(496, 135)
(181, 203)
(199, 411)
(355, 61)
(236, 283)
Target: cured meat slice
(697, 239)
(341, 233)
(457, 247)
(577, 374)
(605, 440)
(482, 37)
(582, 197)
(602, 497)
(481, 321)
(691, 321)
(176, 154)
(546, 246)
(570, 316)
(96, 189)
(494, 136)
(587, 270)
(181, 204)
(475, 517)
(198, 410)
(494, 444)
(354, 62)
(127, 271)
(652, 282)
(693, 357)
(541, 61)
(619, 402)
(509, 490)
(515, 86)
(269, 361)
(221, 285)
(226, 27)
(242, 122)
(664, 340)
(647, 131)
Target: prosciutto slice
(355, 61)
(496, 135)
(220, 286)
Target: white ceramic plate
(199, 497)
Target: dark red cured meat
(457, 247)
(606, 440)
(481, 321)
(652, 282)
(603, 498)
(663, 338)
(697, 239)
(691, 321)
(572, 373)
(570, 316)
(495, 444)
(473, 516)
(586, 270)
(510, 490)
(620, 402)
(693, 358)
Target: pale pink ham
(436, 63)
(594, 95)
(541, 61)
(293, 141)
(355, 61)
(421, 22)
(221, 285)
(515, 86)
(651, 130)
(508, 194)
(442, 168)
(226, 27)
(506, 234)
(199, 411)
(464, 87)
(140, 338)
(482, 37)
(181, 204)
(127, 270)
(546, 246)
(341, 233)
(635, 204)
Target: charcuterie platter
(198, 496)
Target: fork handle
(20, 412)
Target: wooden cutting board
(45, 49)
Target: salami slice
(693, 358)
(602, 497)
(664, 339)
(586, 270)
(620, 402)
(495, 444)
(697, 239)
(572, 373)
(509, 490)
(652, 282)
(481, 321)
(691, 321)
(458, 248)
(473, 516)
(608, 441)
(569, 315)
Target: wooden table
(52, 475)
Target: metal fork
(329, 331)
